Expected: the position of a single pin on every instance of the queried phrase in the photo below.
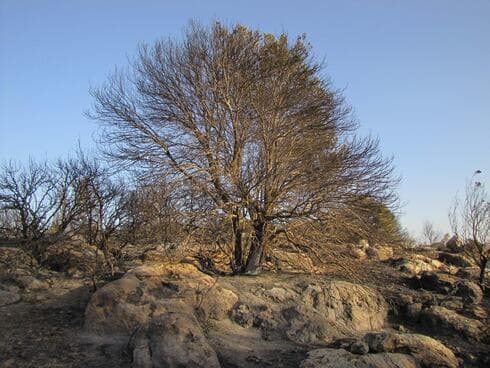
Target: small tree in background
(429, 233)
(471, 220)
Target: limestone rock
(8, 297)
(469, 291)
(30, 283)
(340, 358)
(455, 244)
(437, 282)
(172, 340)
(454, 259)
(292, 261)
(442, 318)
(356, 252)
(417, 263)
(427, 351)
(381, 253)
(149, 291)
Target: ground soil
(45, 329)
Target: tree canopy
(251, 130)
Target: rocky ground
(364, 308)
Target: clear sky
(417, 73)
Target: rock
(441, 318)
(455, 244)
(30, 283)
(76, 259)
(292, 261)
(340, 358)
(359, 308)
(174, 339)
(476, 311)
(356, 252)
(363, 244)
(452, 303)
(468, 272)
(426, 351)
(328, 311)
(469, 291)
(16, 261)
(148, 291)
(454, 259)
(8, 297)
(437, 282)
(417, 263)
(412, 311)
(242, 315)
(160, 253)
(381, 253)
(447, 284)
(359, 347)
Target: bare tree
(247, 124)
(429, 232)
(471, 220)
(103, 207)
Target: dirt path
(45, 330)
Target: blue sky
(416, 72)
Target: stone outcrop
(173, 339)
(285, 260)
(384, 350)
(340, 358)
(454, 259)
(455, 244)
(449, 285)
(381, 253)
(447, 320)
(149, 291)
(416, 263)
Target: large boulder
(450, 285)
(449, 321)
(381, 253)
(173, 339)
(340, 358)
(469, 291)
(415, 264)
(427, 351)
(454, 259)
(305, 310)
(308, 310)
(148, 291)
(437, 282)
(455, 244)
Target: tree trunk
(483, 267)
(238, 250)
(256, 249)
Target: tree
(103, 207)
(429, 233)
(471, 220)
(248, 126)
